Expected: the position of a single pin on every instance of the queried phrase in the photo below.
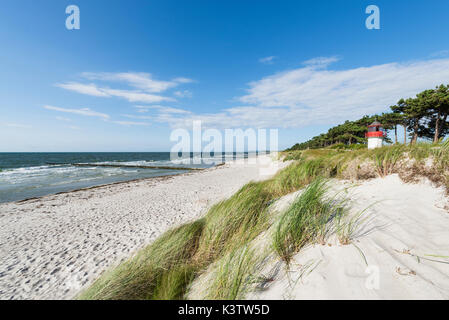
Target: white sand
(52, 247)
(406, 221)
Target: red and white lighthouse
(375, 135)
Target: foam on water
(28, 175)
(22, 183)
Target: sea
(31, 175)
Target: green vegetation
(222, 240)
(425, 116)
(157, 271)
(232, 223)
(386, 159)
(310, 218)
(307, 220)
(233, 275)
(350, 132)
(346, 227)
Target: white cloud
(105, 117)
(83, 112)
(16, 125)
(184, 94)
(331, 96)
(88, 89)
(313, 94)
(63, 119)
(130, 95)
(238, 117)
(183, 80)
(143, 86)
(131, 123)
(163, 109)
(320, 62)
(135, 96)
(131, 116)
(440, 54)
(267, 60)
(138, 80)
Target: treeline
(424, 116)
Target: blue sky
(138, 69)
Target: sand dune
(400, 252)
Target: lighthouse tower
(375, 135)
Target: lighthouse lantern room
(375, 135)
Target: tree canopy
(423, 116)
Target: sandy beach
(52, 247)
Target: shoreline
(168, 176)
(188, 171)
(54, 246)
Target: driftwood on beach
(123, 166)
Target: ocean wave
(6, 172)
(52, 173)
(23, 182)
(122, 163)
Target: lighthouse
(375, 135)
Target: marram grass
(166, 268)
(146, 275)
(308, 220)
(233, 275)
(234, 222)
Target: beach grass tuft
(307, 220)
(233, 275)
(235, 221)
(386, 158)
